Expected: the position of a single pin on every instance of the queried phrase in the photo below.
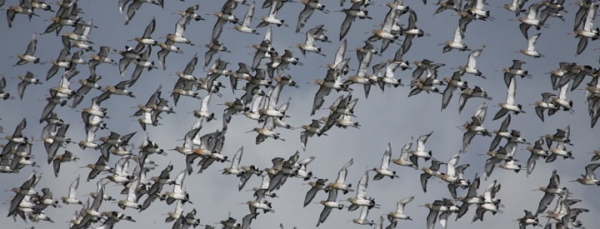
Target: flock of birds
(259, 82)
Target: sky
(389, 117)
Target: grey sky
(384, 117)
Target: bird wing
(149, 28)
(531, 42)
(32, 45)
(451, 164)
(431, 218)
(249, 15)
(447, 95)
(480, 113)
(303, 17)
(189, 68)
(412, 19)
(389, 20)
(73, 188)
(400, 205)
(237, 157)
(310, 195)
(362, 186)
(346, 26)
(344, 171)
(422, 140)
(341, 51)
(320, 98)
(387, 156)
(512, 89)
(458, 36)
(472, 63)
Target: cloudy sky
(384, 117)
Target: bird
(489, 203)
(509, 105)
(28, 56)
(384, 170)
(320, 184)
(435, 208)
(420, 150)
(471, 66)
(528, 219)
(545, 104)
(475, 127)
(244, 27)
(588, 30)
(26, 79)
(515, 69)
(394, 216)
(531, 51)
(385, 34)
(531, 19)
(71, 198)
(61, 61)
(351, 14)
(361, 199)
(362, 219)
(590, 177)
(550, 191)
(476, 92)
(428, 172)
(451, 85)
(536, 151)
(404, 159)
(339, 183)
(308, 45)
(146, 38)
(309, 8)
(411, 31)
(130, 201)
(271, 18)
(456, 43)
(329, 204)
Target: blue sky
(384, 117)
